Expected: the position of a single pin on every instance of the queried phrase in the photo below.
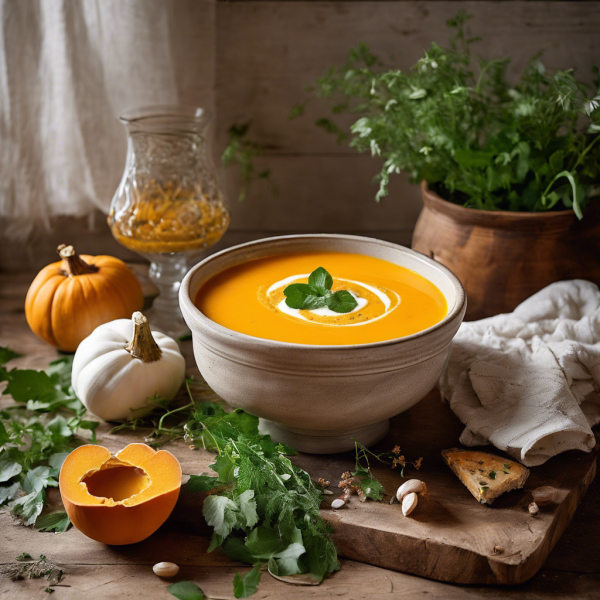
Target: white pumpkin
(122, 364)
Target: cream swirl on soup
(372, 302)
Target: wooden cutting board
(450, 536)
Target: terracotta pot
(318, 398)
(503, 257)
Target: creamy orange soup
(391, 301)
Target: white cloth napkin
(529, 381)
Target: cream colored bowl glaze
(317, 398)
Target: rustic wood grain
(97, 571)
(267, 52)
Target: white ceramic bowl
(317, 398)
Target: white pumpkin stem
(73, 264)
(142, 344)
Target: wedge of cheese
(485, 475)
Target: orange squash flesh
(122, 499)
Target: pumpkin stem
(142, 344)
(73, 264)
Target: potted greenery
(507, 171)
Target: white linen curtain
(68, 68)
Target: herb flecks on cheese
(496, 476)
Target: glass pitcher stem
(166, 274)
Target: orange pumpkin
(121, 499)
(69, 299)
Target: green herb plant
(269, 511)
(317, 293)
(455, 121)
(36, 435)
(263, 509)
(241, 152)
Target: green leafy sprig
(269, 509)
(362, 476)
(57, 522)
(317, 293)
(37, 433)
(241, 151)
(262, 508)
(457, 122)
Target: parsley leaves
(266, 509)
(36, 435)
(6, 355)
(246, 586)
(317, 294)
(262, 508)
(57, 522)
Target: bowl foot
(313, 441)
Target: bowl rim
(186, 301)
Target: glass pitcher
(168, 206)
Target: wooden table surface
(94, 571)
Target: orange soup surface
(392, 301)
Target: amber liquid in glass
(165, 219)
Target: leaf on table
(6, 355)
(201, 483)
(8, 493)
(186, 590)
(57, 459)
(30, 506)
(294, 551)
(60, 371)
(264, 542)
(59, 429)
(8, 469)
(235, 548)
(290, 570)
(37, 479)
(24, 556)
(27, 384)
(321, 557)
(220, 513)
(225, 467)
(57, 522)
(246, 586)
(372, 488)
(87, 425)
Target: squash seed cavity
(116, 482)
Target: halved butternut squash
(122, 499)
